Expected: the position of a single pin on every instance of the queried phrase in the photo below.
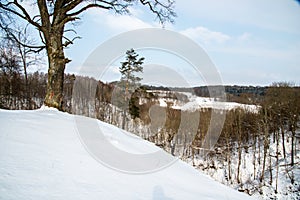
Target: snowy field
(194, 102)
(41, 157)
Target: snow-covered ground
(193, 102)
(42, 157)
(249, 178)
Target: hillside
(41, 157)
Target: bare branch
(67, 19)
(89, 6)
(42, 38)
(24, 14)
(27, 16)
(11, 36)
(44, 16)
(164, 12)
(68, 41)
(70, 5)
(70, 30)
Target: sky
(250, 42)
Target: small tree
(130, 81)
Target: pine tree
(130, 82)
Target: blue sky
(251, 42)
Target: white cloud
(125, 22)
(121, 22)
(280, 15)
(205, 35)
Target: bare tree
(10, 72)
(282, 100)
(27, 56)
(51, 23)
(238, 131)
(266, 141)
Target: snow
(42, 157)
(201, 102)
(162, 103)
(286, 190)
(195, 103)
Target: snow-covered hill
(187, 101)
(42, 157)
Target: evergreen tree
(130, 81)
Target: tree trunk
(266, 145)
(283, 139)
(27, 93)
(239, 132)
(239, 163)
(292, 147)
(126, 97)
(228, 155)
(254, 156)
(277, 161)
(57, 63)
(270, 168)
(124, 120)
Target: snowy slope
(41, 157)
(194, 102)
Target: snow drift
(42, 157)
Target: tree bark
(57, 63)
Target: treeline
(15, 94)
(240, 94)
(18, 89)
